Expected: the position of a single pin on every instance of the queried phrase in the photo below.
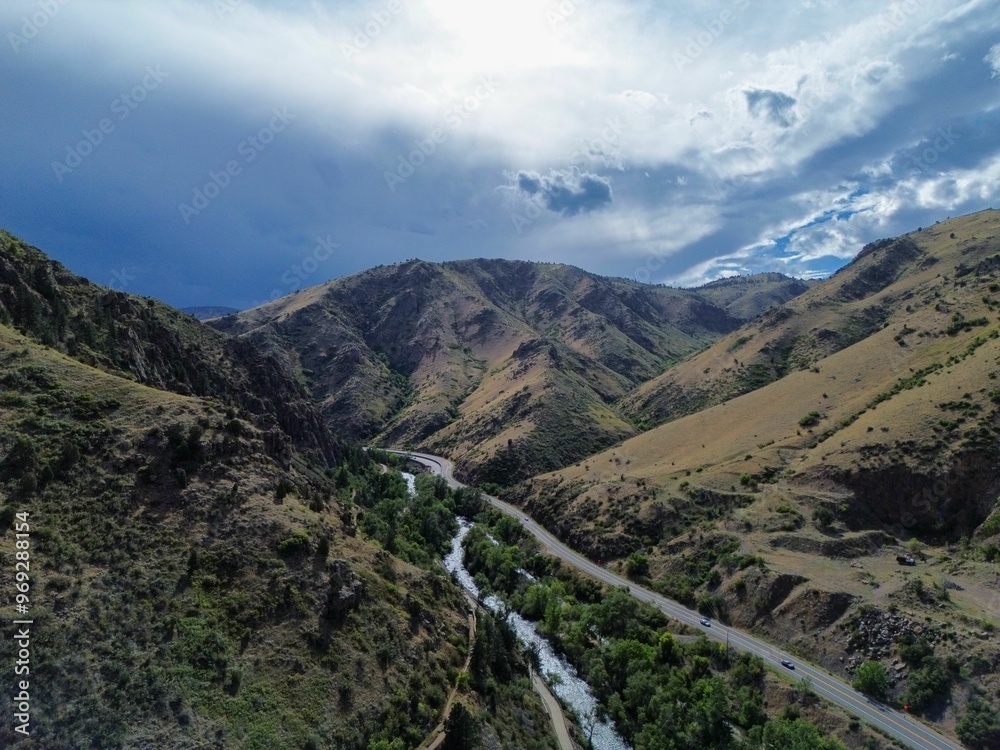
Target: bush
(677, 587)
(979, 729)
(872, 679)
(637, 565)
(492, 488)
(811, 419)
(68, 457)
(23, 457)
(28, 484)
(175, 434)
(823, 517)
(927, 685)
(296, 543)
(285, 486)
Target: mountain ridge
(152, 343)
(207, 566)
(488, 359)
(797, 457)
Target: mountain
(830, 317)
(747, 297)
(797, 456)
(206, 561)
(151, 343)
(510, 367)
(209, 311)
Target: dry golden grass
(761, 430)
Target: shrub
(175, 434)
(811, 419)
(872, 679)
(28, 483)
(637, 565)
(285, 486)
(823, 517)
(23, 457)
(927, 685)
(980, 727)
(677, 587)
(296, 543)
(68, 456)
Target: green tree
(790, 734)
(462, 729)
(927, 685)
(980, 727)
(637, 565)
(872, 679)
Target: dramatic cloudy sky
(227, 151)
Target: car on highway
(787, 664)
(706, 622)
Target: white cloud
(752, 120)
(851, 221)
(993, 59)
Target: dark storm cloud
(568, 192)
(97, 160)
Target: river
(567, 684)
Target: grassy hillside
(747, 297)
(871, 431)
(201, 574)
(151, 343)
(510, 367)
(876, 289)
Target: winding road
(899, 726)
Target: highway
(899, 726)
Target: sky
(226, 152)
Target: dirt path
(436, 737)
(555, 712)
